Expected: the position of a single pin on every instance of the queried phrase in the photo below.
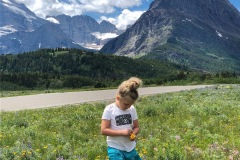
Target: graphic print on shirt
(123, 119)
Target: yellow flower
(45, 147)
(98, 157)
(23, 154)
(144, 151)
(132, 137)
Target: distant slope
(18, 17)
(87, 64)
(202, 34)
(85, 30)
(22, 31)
(48, 35)
(74, 68)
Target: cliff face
(21, 30)
(81, 28)
(19, 16)
(184, 31)
(48, 35)
(106, 26)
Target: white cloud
(53, 20)
(126, 18)
(104, 36)
(77, 7)
(42, 8)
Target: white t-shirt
(120, 119)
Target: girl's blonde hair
(129, 88)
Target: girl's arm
(106, 130)
(135, 127)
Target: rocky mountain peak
(18, 16)
(106, 26)
(21, 30)
(217, 13)
(190, 32)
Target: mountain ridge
(19, 15)
(182, 24)
(20, 28)
(22, 41)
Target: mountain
(78, 28)
(48, 35)
(106, 26)
(17, 17)
(202, 34)
(85, 30)
(22, 31)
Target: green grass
(198, 124)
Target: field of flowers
(198, 124)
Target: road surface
(60, 99)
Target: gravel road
(60, 99)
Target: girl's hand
(132, 137)
(127, 132)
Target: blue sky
(145, 5)
(119, 12)
(236, 3)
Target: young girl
(120, 122)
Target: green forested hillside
(196, 56)
(74, 68)
(48, 68)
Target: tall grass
(198, 124)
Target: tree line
(74, 68)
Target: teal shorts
(116, 154)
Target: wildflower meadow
(197, 124)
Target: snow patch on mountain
(219, 34)
(7, 1)
(104, 36)
(93, 46)
(53, 20)
(7, 30)
(17, 10)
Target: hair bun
(134, 83)
(129, 88)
